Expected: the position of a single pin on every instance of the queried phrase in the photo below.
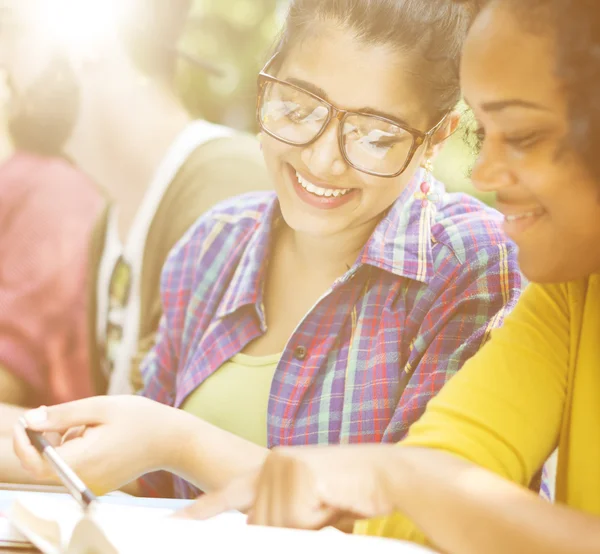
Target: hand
(107, 441)
(307, 488)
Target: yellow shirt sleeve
(503, 409)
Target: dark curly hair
(578, 67)
(435, 29)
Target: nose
(490, 172)
(323, 157)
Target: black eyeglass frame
(333, 112)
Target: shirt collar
(402, 241)
(401, 244)
(245, 287)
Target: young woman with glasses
(334, 309)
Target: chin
(547, 270)
(309, 225)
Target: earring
(425, 194)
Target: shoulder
(228, 224)
(48, 193)
(235, 146)
(238, 216)
(47, 177)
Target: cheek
(572, 203)
(274, 152)
(558, 185)
(577, 210)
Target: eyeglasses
(369, 143)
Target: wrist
(170, 431)
(396, 476)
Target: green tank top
(236, 396)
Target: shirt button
(300, 353)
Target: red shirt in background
(47, 211)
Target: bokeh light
(81, 24)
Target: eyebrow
(366, 110)
(513, 103)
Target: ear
(445, 130)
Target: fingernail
(39, 416)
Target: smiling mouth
(524, 215)
(320, 191)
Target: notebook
(60, 527)
(11, 538)
(57, 525)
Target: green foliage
(236, 36)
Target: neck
(120, 143)
(332, 255)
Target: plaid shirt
(435, 277)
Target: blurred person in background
(47, 211)
(158, 168)
(161, 170)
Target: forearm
(14, 392)
(464, 509)
(210, 457)
(9, 416)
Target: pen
(76, 487)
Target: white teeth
(517, 217)
(318, 191)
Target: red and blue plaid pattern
(431, 282)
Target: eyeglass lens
(370, 143)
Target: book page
(47, 522)
(88, 537)
(229, 533)
(9, 536)
(135, 531)
(59, 526)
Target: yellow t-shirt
(534, 386)
(236, 397)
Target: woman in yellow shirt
(461, 474)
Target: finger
(90, 411)
(53, 438)
(279, 512)
(73, 433)
(29, 457)
(238, 495)
(344, 523)
(267, 484)
(286, 509)
(286, 495)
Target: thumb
(90, 411)
(238, 495)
